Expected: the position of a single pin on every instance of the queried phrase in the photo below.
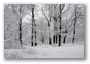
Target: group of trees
(56, 14)
(61, 19)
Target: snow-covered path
(47, 51)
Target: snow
(47, 51)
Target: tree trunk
(60, 27)
(35, 36)
(32, 43)
(21, 31)
(50, 41)
(64, 40)
(73, 33)
(21, 25)
(54, 39)
(42, 38)
(74, 27)
(59, 40)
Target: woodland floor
(47, 51)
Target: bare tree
(18, 16)
(49, 6)
(77, 14)
(21, 25)
(33, 38)
(58, 24)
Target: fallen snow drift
(47, 51)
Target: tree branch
(45, 16)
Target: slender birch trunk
(74, 26)
(64, 40)
(49, 33)
(60, 26)
(32, 38)
(21, 25)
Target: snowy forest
(44, 30)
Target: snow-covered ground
(47, 51)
